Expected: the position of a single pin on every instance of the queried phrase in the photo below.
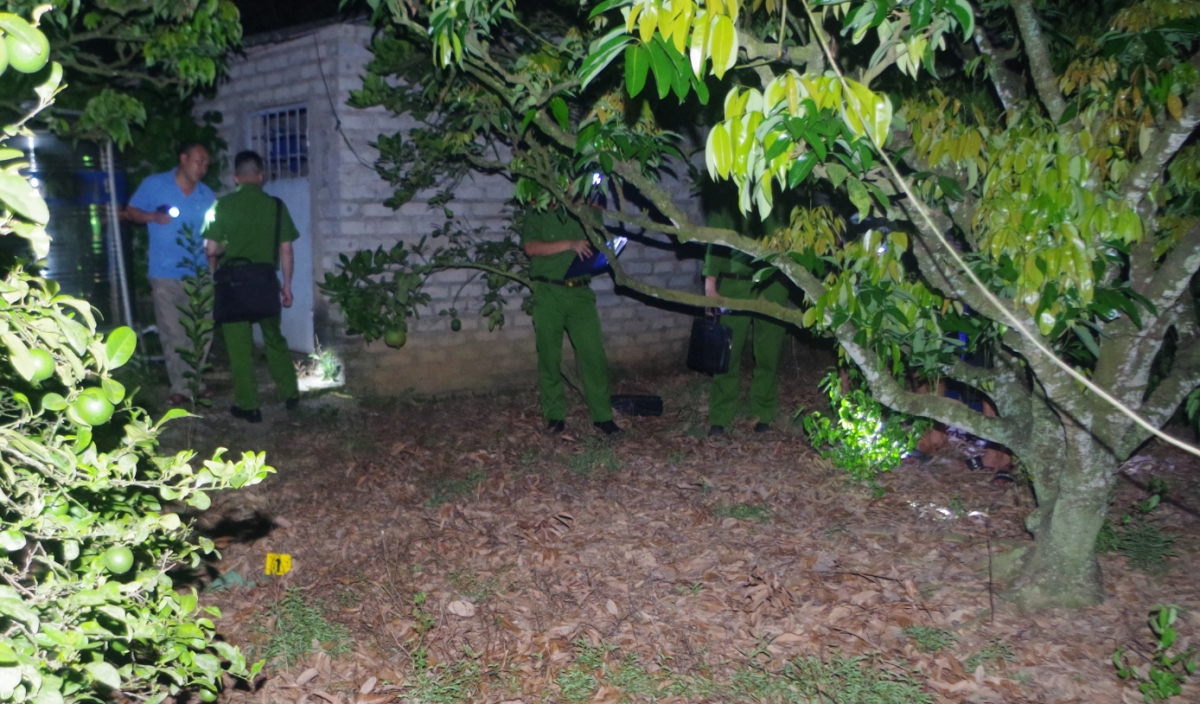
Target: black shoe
(716, 431)
(254, 416)
(556, 426)
(762, 427)
(292, 404)
(609, 427)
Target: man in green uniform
(553, 239)
(731, 274)
(242, 224)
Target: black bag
(710, 346)
(246, 291)
(637, 405)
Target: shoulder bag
(246, 291)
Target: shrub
(90, 543)
(862, 437)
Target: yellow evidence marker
(278, 563)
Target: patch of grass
(839, 681)
(691, 589)
(858, 680)
(449, 489)
(929, 639)
(576, 684)
(997, 653)
(743, 512)
(299, 622)
(596, 455)
(956, 506)
(633, 679)
(447, 683)
(471, 586)
(1145, 544)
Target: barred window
(280, 135)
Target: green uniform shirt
(244, 221)
(554, 225)
(722, 260)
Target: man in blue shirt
(167, 203)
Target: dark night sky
(264, 15)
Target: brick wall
(317, 68)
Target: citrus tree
(120, 56)
(92, 537)
(1032, 160)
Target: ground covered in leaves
(451, 551)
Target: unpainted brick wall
(317, 68)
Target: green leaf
(837, 174)
(722, 45)
(962, 12)
(637, 66)
(10, 679)
(105, 673)
(50, 691)
(664, 69)
(859, 196)
(700, 87)
(603, 51)
(19, 610)
(800, 169)
(920, 13)
(719, 152)
(950, 188)
(172, 415)
(113, 390)
(54, 402)
(559, 107)
(120, 346)
(1085, 336)
(682, 77)
(208, 663)
(22, 361)
(605, 7)
(22, 198)
(8, 656)
(529, 115)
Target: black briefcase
(637, 405)
(710, 346)
(245, 292)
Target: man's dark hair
(185, 147)
(248, 163)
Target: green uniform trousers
(558, 309)
(768, 344)
(239, 341)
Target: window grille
(280, 136)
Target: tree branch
(890, 393)
(1174, 276)
(1009, 86)
(1044, 78)
(1163, 147)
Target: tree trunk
(1072, 473)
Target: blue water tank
(69, 176)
